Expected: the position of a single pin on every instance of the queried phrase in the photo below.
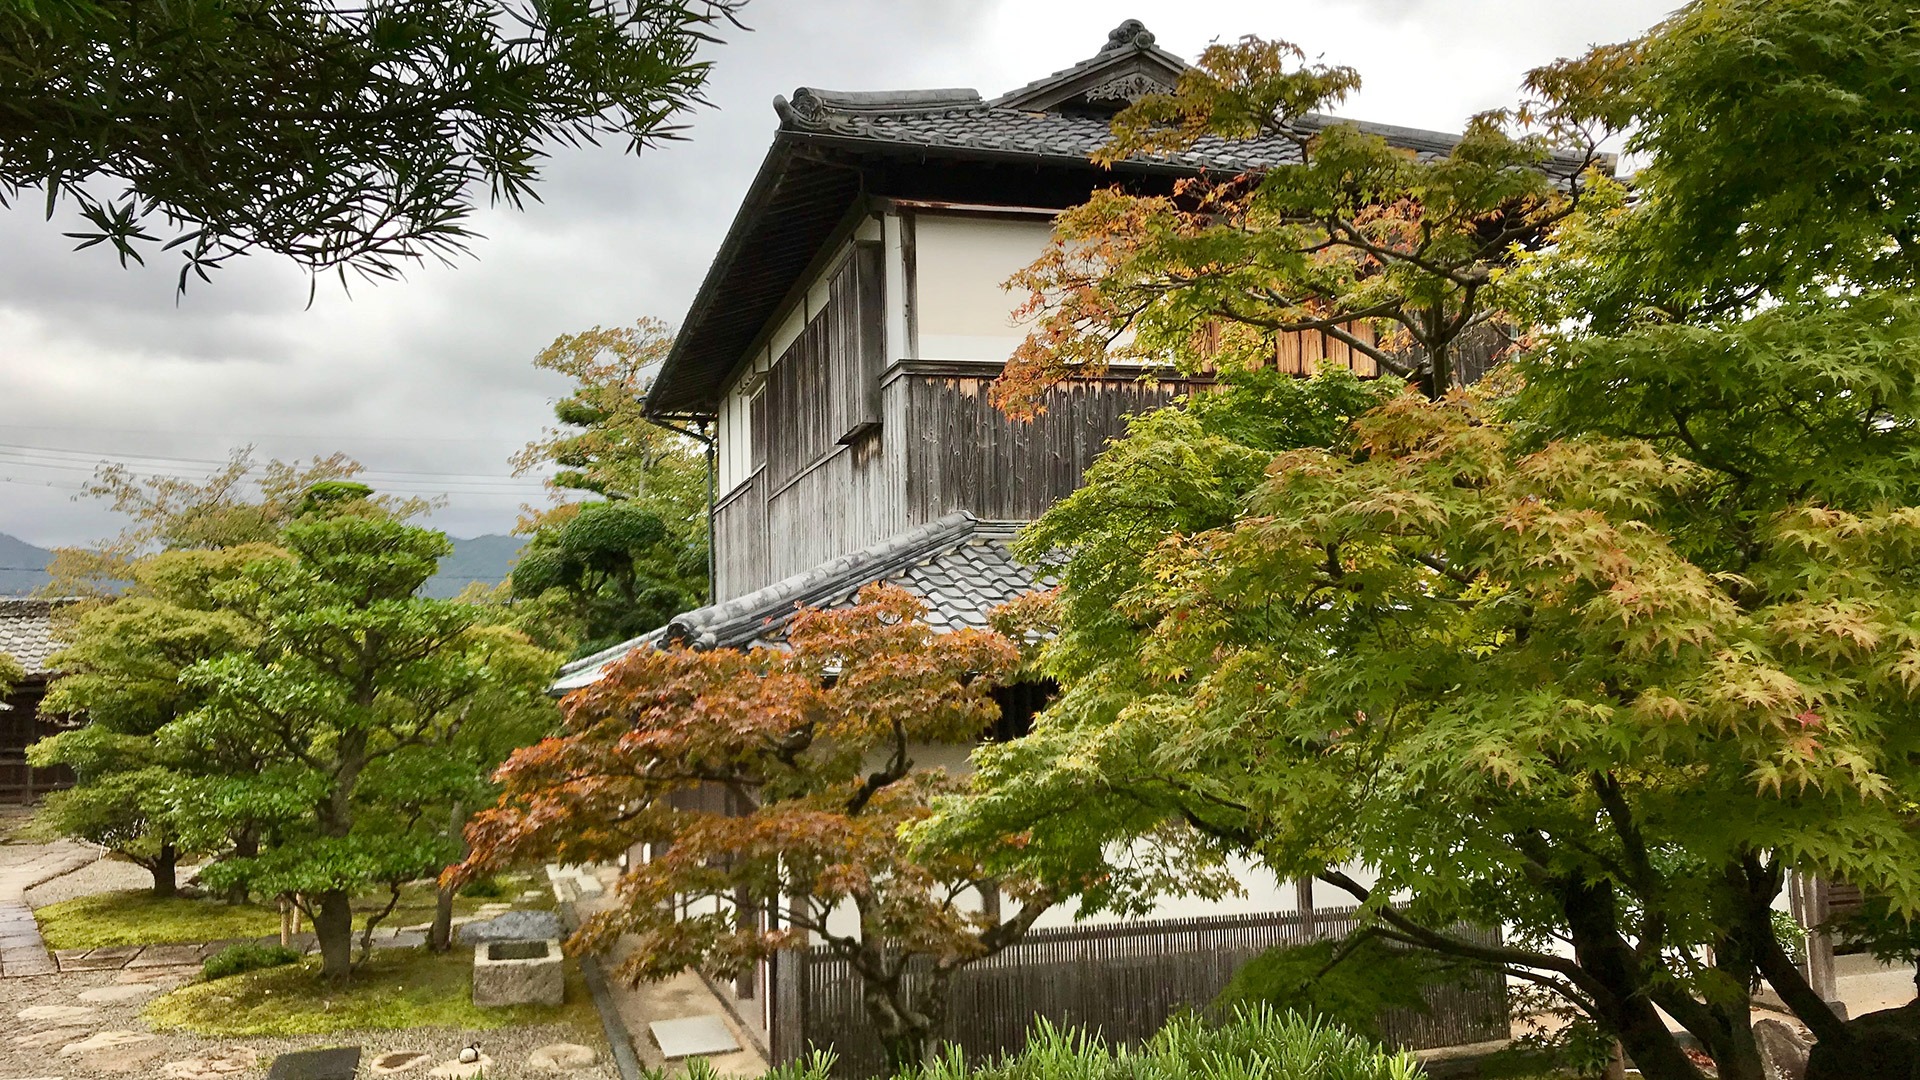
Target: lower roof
(961, 566)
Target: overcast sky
(428, 379)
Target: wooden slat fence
(1122, 981)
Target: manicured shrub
(247, 956)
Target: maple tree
(769, 786)
(1597, 652)
(1397, 256)
(636, 554)
(337, 135)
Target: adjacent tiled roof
(960, 566)
(26, 631)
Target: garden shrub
(247, 956)
(1255, 1042)
(484, 888)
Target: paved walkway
(22, 866)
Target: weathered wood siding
(740, 539)
(1122, 981)
(964, 454)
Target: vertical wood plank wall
(1121, 981)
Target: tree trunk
(333, 926)
(1625, 1007)
(245, 846)
(165, 870)
(909, 1034)
(440, 938)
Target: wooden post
(1303, 898)
(1809, 898)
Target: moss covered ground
(137, 917)
(396, 989)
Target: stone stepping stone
(398, 1062)
(560, 1057)
(58, 1036)
(405, 939)
(105, 1040)
(58, 1014)
(462, 1070)
(693, 1036)
(166, 956)
(138, 1060)
(336, 1063)
(95, 959)
(214, 1064)
(119, 993)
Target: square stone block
(339, 1063)
(693, 1036)
(519, 973)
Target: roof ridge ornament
(1132, 34)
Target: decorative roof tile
(960, 566)
(27, 633)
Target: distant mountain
(486, 559)
(23, 567)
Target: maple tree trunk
(165, 870)
(333, 927)
(1625, 1007)
(908, 1034)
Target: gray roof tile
(960, 566)
(27, 632)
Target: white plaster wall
(960, 264)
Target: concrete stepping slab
(19, 963)
(59, 1036)
(561, 1057)
(119, 993)
(57, 1014)
(399, 1061)
(214, 1064)
(166, 956)
(104, 1040)
(91, 963)
(693, 1036)
(462, 1070)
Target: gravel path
(20, 1057)
(106, 875)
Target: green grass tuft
(398, 988)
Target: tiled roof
(945, 146)
(26, 631)
(1001, 129)
(960, 566)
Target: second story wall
(865, 409)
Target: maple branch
(1432, 939)
(896, 770)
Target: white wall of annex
(960, 263)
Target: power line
(62, 454)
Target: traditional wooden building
(27, 634)
(838, 356)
